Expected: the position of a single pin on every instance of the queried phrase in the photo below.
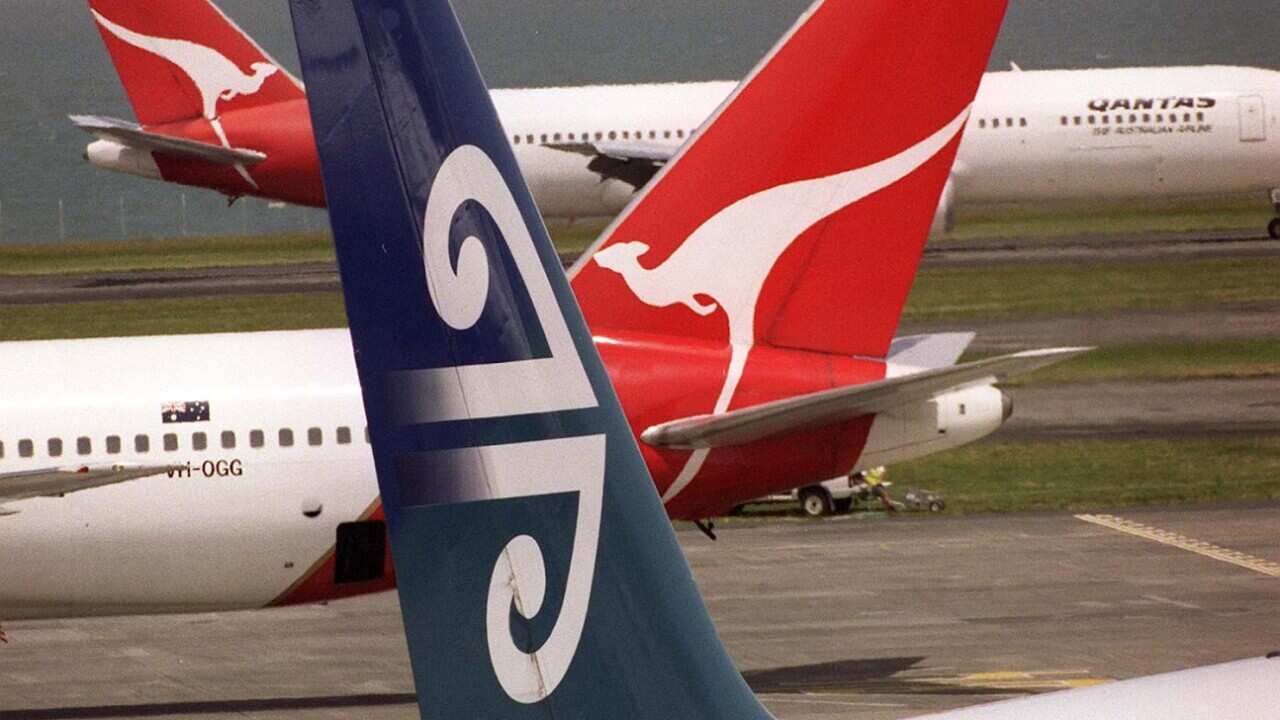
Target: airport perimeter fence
(107, 217)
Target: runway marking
(1165, 537)
(1018, 680)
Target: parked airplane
(1053, 138)
(539, 577)
(755, 357)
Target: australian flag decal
(189, 411)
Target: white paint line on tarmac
(1183, 542)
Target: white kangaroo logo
(729, 257)
(215, 77)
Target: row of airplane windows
(1133, 118)
(1008, 122)
(599, 135)
(170, 442)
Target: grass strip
(233, 313)
(1019, 291)
(167, 253)
(1167, 360)
(1077, 475)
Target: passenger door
(1253, 119)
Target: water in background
(52, 63)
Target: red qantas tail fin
(799, 211)
(183, 59)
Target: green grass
(1019, 291)
(195, 252)
(1167, 360)
(1092, 474)
(165, 253)
(236, 313)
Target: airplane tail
(798, 213)
(538, 574)
(185, 59)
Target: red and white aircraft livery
(746, 319)
(217, 112)
(210, 104)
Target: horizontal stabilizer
(937, 350)
(633, 162)
(50, 482)
(837, 405)
(133, 135)
(620, 150)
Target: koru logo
(542, 385)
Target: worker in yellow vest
(875, 480)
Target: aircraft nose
(1006, 406)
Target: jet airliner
(747, 321)
(539, 576)
(232, 119)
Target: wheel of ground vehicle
(842, 506)
(815, 502)
(937, 506)
(1273, 228)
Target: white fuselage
(237, 527)
(1039, 137)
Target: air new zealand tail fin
(539, 576)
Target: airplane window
(55, 447)
(1199, 117)
(982, 123)
(199, 441)
(626, 135)
(1022, 122)
(255, 438)
(1186, 117)
(599, 135)
(613, 135)
(570, 136)
(344, 435)
(528, 139)
(653, 135)
(83, 446)
(1093, 120)
(113, 444)
(286, 437)
(1146, 117)
(666, 134)
(679, 133)
(141, 443)
(1064, 119)
(228, 439)
(556, 137)
(170, 442)
(26, 448)
(1119, 119)
(1106, 119)
(544, 137)
(1075, 120)
(515, 140)
(1160, 117)
(314, 436)
(1008, 122)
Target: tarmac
(323, 277)
(861, 616)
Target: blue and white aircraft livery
(532, 547)
(539, 576)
